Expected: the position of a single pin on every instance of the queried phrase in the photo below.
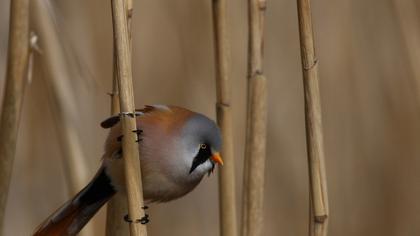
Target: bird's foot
(138, 132)
(144, 220)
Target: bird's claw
(138, 132)
(144, 220)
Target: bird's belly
(158, 188)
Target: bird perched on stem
(177, 148)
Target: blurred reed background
(370, 103)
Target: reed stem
(129, 144)
(227, 198)
(252, 209)
(16, 80)
(314, 137)
(117, 206)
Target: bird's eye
(203, 146)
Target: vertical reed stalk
(61, 99)
(117, 206)
(314, 138)
(129, 144)
(115, 98)
(252, 209)
(227, 199)
(16, 79)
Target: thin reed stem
(117, 206)
(16, 79)
(129, 144)
(227, 198)
(314, 137)
(252, 209)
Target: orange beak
(216, 158)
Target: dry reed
(16, 79)
(253, 192)
(314, 138)
(129, 144)
(117, 206)
(227, 198)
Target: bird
(177, 147)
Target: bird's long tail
(70, 218)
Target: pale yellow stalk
(129, 144)
(314, 138)
(227, 198)
(117, 206)
(254, 168)
(16, 80)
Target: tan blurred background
(370, 105)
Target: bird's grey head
(202, 141)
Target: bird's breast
(158, 185)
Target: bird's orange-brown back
(165, 118)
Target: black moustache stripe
(202, 156)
